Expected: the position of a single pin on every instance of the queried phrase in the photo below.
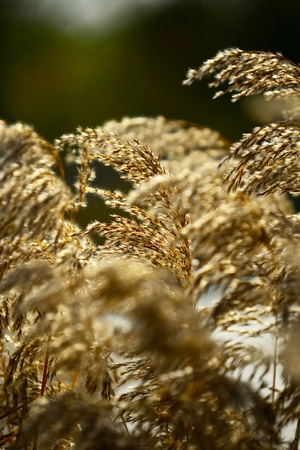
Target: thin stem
(42, 393)
(275, 362)
(45, 371)
(74, 379)
(275, 358)
(125, 425)
(296, 440)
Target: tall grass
(114, 345)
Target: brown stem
(42, 393)
(295, 442)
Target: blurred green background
(66, 63)
(82, 62)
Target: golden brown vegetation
(180, 329)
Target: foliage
(180, 329)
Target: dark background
(56, 80)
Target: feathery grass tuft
(179, 328)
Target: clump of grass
(179, 329)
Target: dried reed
(180, 329)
